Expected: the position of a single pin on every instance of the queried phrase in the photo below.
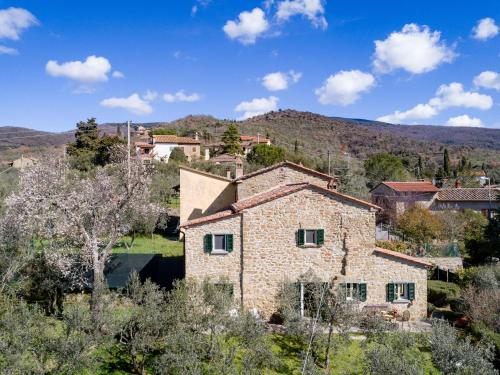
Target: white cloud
(415, 49)
(93, 69)
(419, 112)
(485, 29)
(345, 87)
(453, 95)
(464, 120)
(181, 96)
(150, 95)
(257, 106)
(248, 27)
(4, 50)
(134, 104)
(280, 80)
(313, 10)
(117, 74)
(488, 79)
(13, 21)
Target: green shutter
(390, 292)
(320, 237)
(207, 243)
(362, 292)
(343, 290)
(229, 243)
(301, 237)
(411, 291)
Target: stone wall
(214, 267)
(274, 177)
(271, 256)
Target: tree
(296, 147)
(162, 131)
(77, 221)
(453, 355)
(144, 327)
(446, 163)
(419, 225)
(266, 155)
(384, 167)
(420, 167)
(89, 150)
(232, 141)
(178, 155)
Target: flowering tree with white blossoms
(76, 221)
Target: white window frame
(351, 291)
(218, 251)
(398, 295)
(315, 237)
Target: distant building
(23, 162)
(396, 197)
(159, 147)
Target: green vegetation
(419, 225)
(384, 167)
(178, 155)
(441, 293)
(232, 141)
(155, 244)
(162, 131)
(89, 149)
(266, 155)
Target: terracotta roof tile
(270, 195)
(468, 194)
(144, 145)
(408, 258)
(413, 186)
(175, 139)
(253, 138)
(206, 219)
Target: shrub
(399, 246)
(178, 154)
(439, 293)
(266, 155)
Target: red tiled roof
(413, 186)
(253, 138)
(224, 158)
(468, 194)
(175, 139)
(144, 145)
(205, 219)
(408, 258)
(271, 195)
(287, 164)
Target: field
(155, 244)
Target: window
(218, 243)
(194, 149)
(400, 291)
(308, 295)
(354, 291)
(310, 237)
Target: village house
(159, 147)
(396, 197)
(276, 225)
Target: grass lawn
(156, 244)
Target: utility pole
(329, 164)
(128, 153)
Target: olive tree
(77, 220)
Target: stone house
(396, 197)
(288, 221)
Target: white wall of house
(163, 150)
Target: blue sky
(64, 61)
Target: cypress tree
(232, 141)
(446, 163)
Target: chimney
(196, 138)
(458, 184)
(207, 154)
(239, 168)
(228, 174)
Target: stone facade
(266, 254)
(284, 174)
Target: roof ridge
(403, 256)
(283, 163)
